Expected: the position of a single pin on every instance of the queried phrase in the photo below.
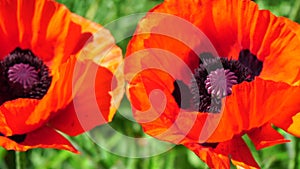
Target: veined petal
(212, 158)
(218, 157)
(77, 117)
(266, 136)
(44, 137)
(294, 127)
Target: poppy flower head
(24, 76)
(43, 66)
(235, 63)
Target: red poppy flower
(203, 73)
(57, 74)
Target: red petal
(155, 108)
(36, 112)
(9, 32)
(219, 157)
(294, 127)
(58, 96)
(37, 25)
(44, 137)
(240, 25)
(4, 129)
(280, 49)
(289, 122)
(240, 154)
(56, 36)
(249, 100)
(102, 50)
(231, 25)
(51, 21)
(209, 156)
(16, 113)
(94, 92)
(266, 136)
(72, 74)
(290, 106)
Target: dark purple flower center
(214, 79)
(23, 75)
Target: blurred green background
(94, 157)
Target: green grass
(94, 157)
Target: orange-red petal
(58, 37)
(16, 113)
(246, 104)
(252, 105)
(266, 136)
(41, 26)
(294, 127)
(240, 154)
(43, 137)
(97, 81)
(102, 50)
(209, 156)
(218, 157)
(91, 104)
(32, 113)
(230, 25)
(9, 32)
(229, 31)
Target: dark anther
(23, 75)
(215, 105)
(250, 61)
(206, 58)
(18, 138)
(211, 145)
(182, 94)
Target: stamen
(249, 60)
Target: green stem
(296, 162)
(295, 10)
(20, 160)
